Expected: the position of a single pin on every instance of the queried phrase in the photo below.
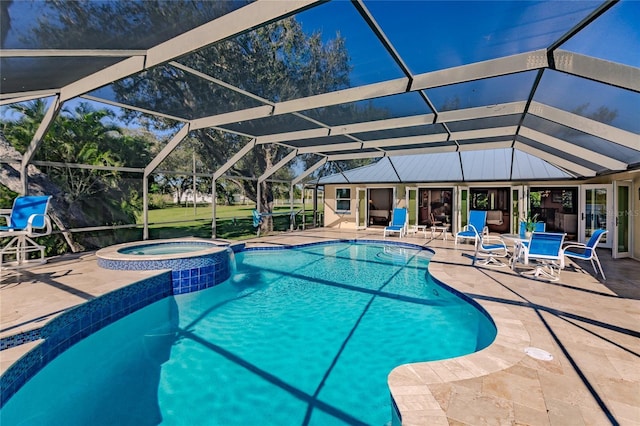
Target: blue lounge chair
(522, 230)
(587, 251)
(257, 220)
(475, 227)
(398, 223)
(28, 219)
(489, 251)
(545, 249)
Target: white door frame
(584, 216)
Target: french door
(361, 208)
(622, 221)
(461, 195)
(595, 213)
(412, 205)
(519, 206)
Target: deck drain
(538, 353)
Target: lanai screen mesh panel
(390, 75)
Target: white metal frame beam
(133, 108)
(586, 125)
(168, 149)
(339, 157)
(46, 122)
(575, 150)
(493, 68)
(408, 140)
(59, 53)
(12, 98)
(599, 70)
(483, 146)
(396, 123)
(569, 166)
(309, 171)
(235, 22)
(489, 111)
(277, 166)
(422, 150)
(320, 149)
(354, 94)
(234, 159)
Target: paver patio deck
(590, 327)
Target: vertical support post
(193, 190)
(258, 197)
(315, 206)
(145, 206)
(292, 220)
(213, 206)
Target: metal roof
(486, 165)
(475, 91)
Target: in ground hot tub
(194, 264)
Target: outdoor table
(416, 228)
(441, 228)
(514, 240)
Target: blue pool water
(295, 337)
(166, 248)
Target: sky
(432, 35)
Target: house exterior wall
(347, 219)
(339, 219)
(335, 218)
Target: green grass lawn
(203, 212)
(233, 222)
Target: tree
(84, 136)
(277, 62)
(20, 132)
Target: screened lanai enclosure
(120, 109)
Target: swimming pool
(302, 336)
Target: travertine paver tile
(426, 418)
(405, 376)
(459, 369)
(471, 366)
(625, 413)
(620, 390)
(587, 317)
(629, 369)
(481, 410)
(595, 362)
(443, 372)
(592, 415)
(425, 372)
(553, 366)
(564, 414)
(516, 385)
(567, 388)
(525, 415)
(442, 393)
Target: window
(343, 199)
